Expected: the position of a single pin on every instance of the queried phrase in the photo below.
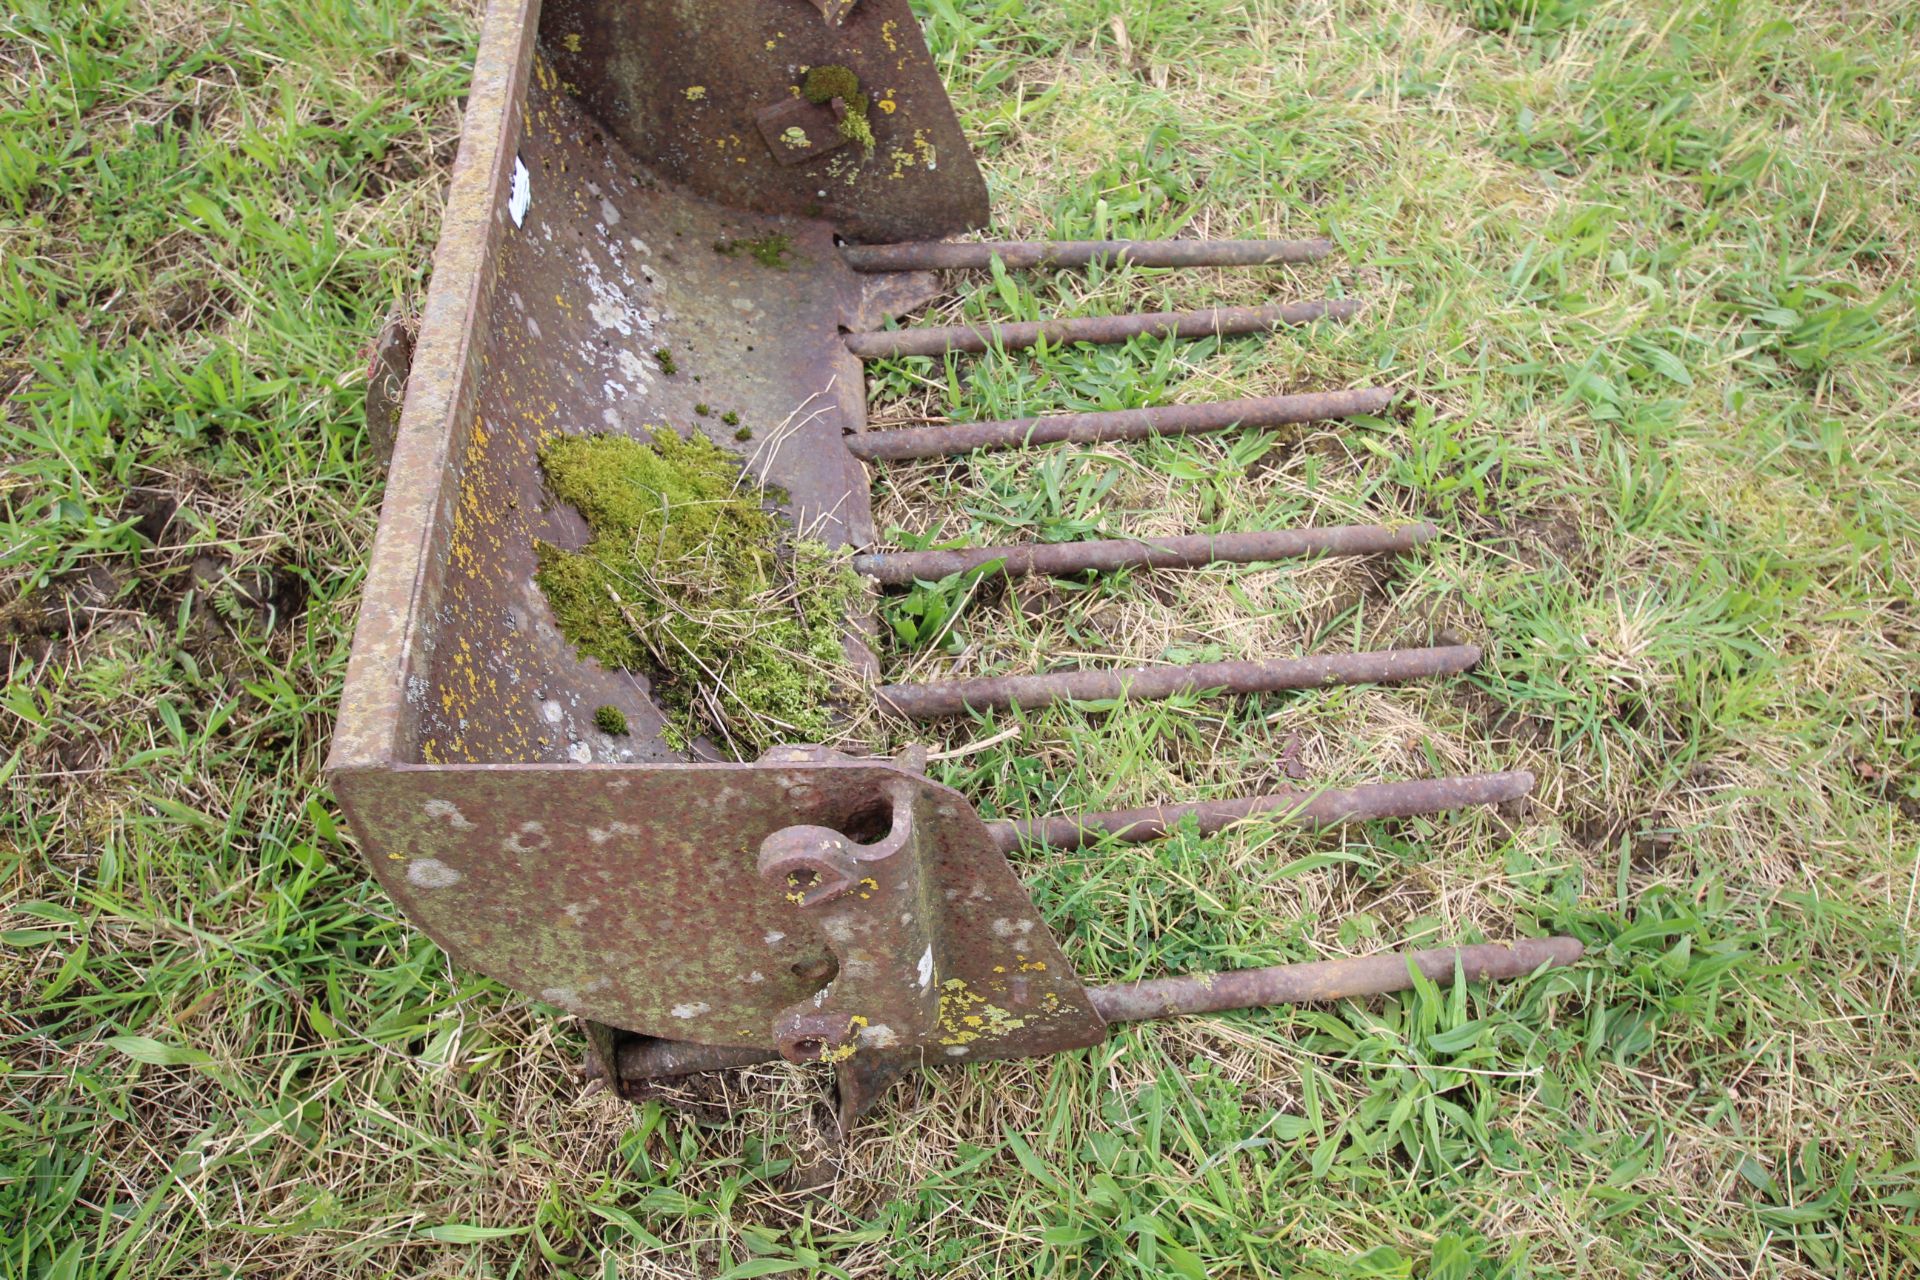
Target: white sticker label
(521, 195)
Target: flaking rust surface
(629, 895)
(601, 270)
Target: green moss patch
(770, 250)
(688, 578)
(824, 84)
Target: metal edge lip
(401, 576)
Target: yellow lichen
(967, 1016)
(852, 1045)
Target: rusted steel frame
(938, 255)
(1296, 808)
(1325, 980)
(1185, 551)
(881, 345)
(1138, 684)
(442, 384)
(1120, 424)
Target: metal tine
(1327, 979)
(1185, 551)
(899, 444)
(883, 344)
(938, 255)
(1316, 982)
(1137, 684)
(1326, 808)
(647, 1058)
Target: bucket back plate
(624, 303)
(705, 93)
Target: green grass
(1647, 275)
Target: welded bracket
(940, 953)
(870, 902)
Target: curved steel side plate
(630, 895)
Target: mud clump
(688, 578)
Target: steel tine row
(901, 568)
